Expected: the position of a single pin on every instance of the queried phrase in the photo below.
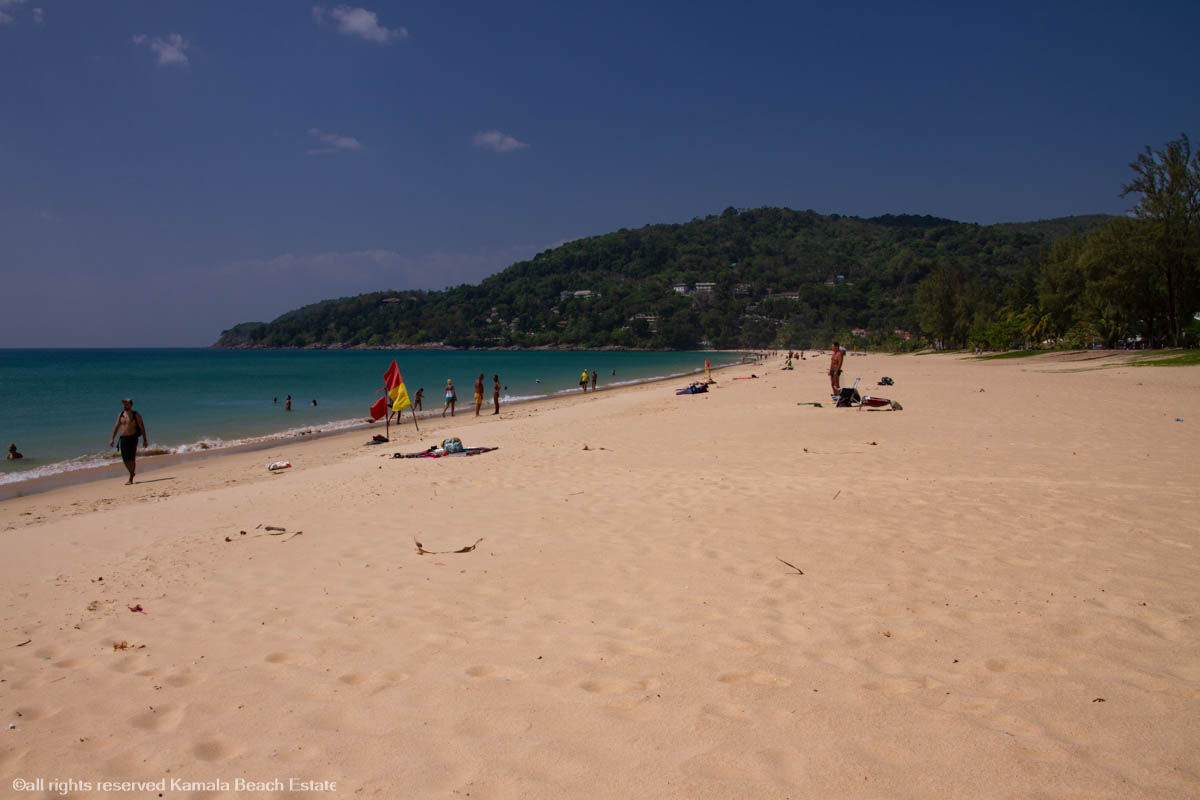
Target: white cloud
(169, 50)
(359, 22)
(497, 142)
(332, 143)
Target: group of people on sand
(452, 396)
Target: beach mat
(468, 451)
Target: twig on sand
(27, 641)
(793, 566)
(274, 528)
(293, 536)
(421, 551)
(839, 491)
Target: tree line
(1133, 279)
(775, 277)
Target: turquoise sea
(59, 406)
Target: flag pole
(387, 417)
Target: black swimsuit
(129, 443)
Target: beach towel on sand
(438, 452)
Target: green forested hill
(778, 277)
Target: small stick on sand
(793, 566)
(421, 551)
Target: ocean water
(59, 406)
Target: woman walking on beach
(451, 397)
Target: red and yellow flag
(396, 391)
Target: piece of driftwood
(421, 551)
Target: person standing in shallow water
(583, 381)
(595, 378)
(478, 393)
(451, 398)
(496, 393)
(130, 424)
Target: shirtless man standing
(835, 368)
(478, 393)
(130, 424)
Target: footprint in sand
(1027, 665)
(727, 712)
(158, 719)
(70, 663)
(755, 676)
(615, 687)
(489, 671)
(213, 750)
(183, 678)
(893, 685)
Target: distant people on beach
(417, 400)
(13, 455)
(478, 393)
(496, 393)
(595, 378)
(583, 381)
(835, 367)
(451, 398)
(130, 425)
(287, 403)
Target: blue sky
(168, 169)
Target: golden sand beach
(994, 593)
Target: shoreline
(24, 487)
